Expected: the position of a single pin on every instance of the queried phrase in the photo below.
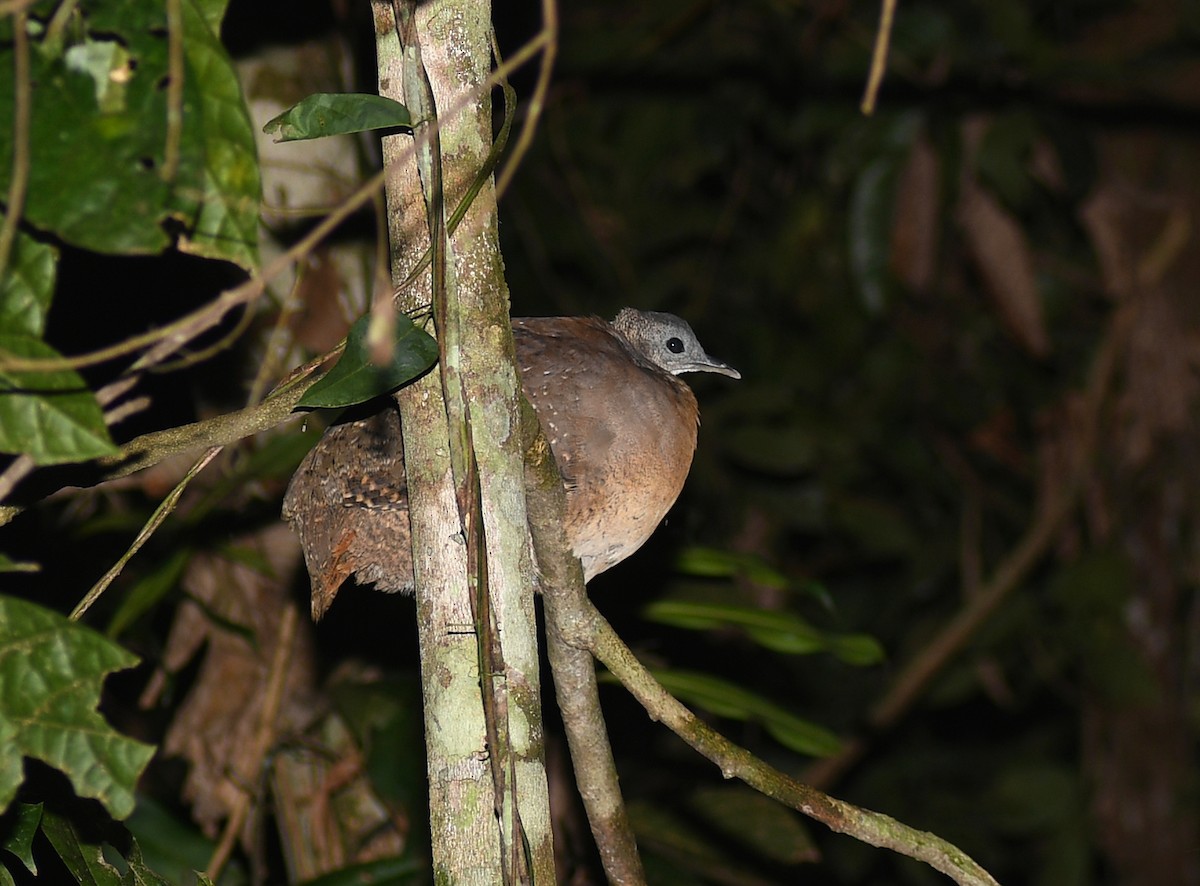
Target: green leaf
(857, 649)
(326, 113)
(51, 671)
(99, 176)
(870, 224)
(736, 703)
(52, 416)
(147, 591)
(756, 821)
(717, 563)
(781, 632)
(8, 564)
(213, 12)
(27, 287)
(225, 155)
(394, 871)
(19, 841)
(84, 860)
(355, 379)
(167, 844)
(85, 857)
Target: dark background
(948, 315)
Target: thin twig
(22, 100)
(873, 828)
(11, 7)
(537, 102)
(17, 470)
(883, 38)
(165, 507)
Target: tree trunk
(469, 844)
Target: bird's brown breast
(622, 430)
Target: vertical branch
(22, 99)
(463, 460)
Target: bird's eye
(675, 345)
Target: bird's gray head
(668, 342)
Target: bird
(621, 424)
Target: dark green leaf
(27, 287)
(99, 176)
(856, 649)
(781, 632)
(399, 871)
(168, 845)
(51, 416)
(730, 700)
(85, 856)
(718, 563)
(51, 671)
(8, 564)
(755, 820)
(355, 379)
(84, 860)
(147, 591)
(327, 113)
(870, 226)
(19, 841)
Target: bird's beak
(710, 364)
(722, 369)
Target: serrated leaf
(328, 113)
(51, 416)
(19, 841)
(27, 287)
(355, 379)
(51, 672)
(100, 176)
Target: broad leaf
(51, 416)
(327, 113)
(51, 671)
(101, 175)
(27, 287)
(355, 379)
